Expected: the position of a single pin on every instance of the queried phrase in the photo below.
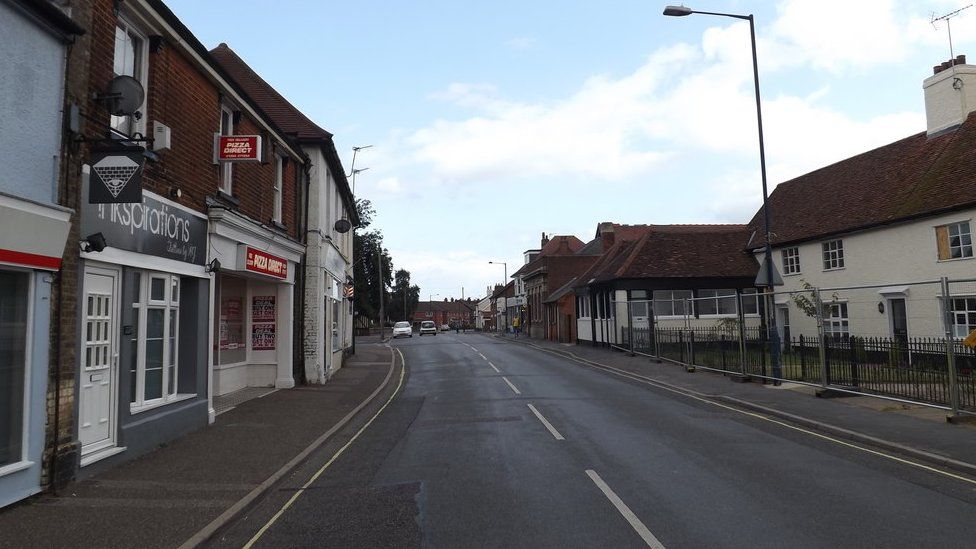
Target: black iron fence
(915, 369)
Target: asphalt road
(490, 444)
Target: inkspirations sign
(152, 227)
(262, 262)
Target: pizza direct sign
(264, 263)
(237, 148)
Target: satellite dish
(343, 226)
(125, 95)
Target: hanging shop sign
(116, 174)
(257, 261)
(237, 148)
(153, 226)
(263, 313)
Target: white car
(428, 327)
(402, 329)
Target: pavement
(914, 431)
(183, 493)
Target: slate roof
(917, 176)
(676, 251)
(286, 116)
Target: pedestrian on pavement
(516, 324)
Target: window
(155, 363)
(231, 345)
(672, 303)
(833, 255)
(583, 306)
(278, 175)
(750, 301)
(836, 325)
(791, 260)
(954, 241)
(14, 321)
(130, 60)
(226, 168)
(963, 316)
(716, 302)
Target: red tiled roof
(557, 245)
(914, 177)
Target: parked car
(401, 329)
(428, 327)
(445, 327)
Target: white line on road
(495, 367)
(482, 356)
(555, 433)
(514, 388)
(635, 522)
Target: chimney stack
(606, 231)
(950, 94)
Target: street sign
(762, 279)
(970, 340)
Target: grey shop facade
(145, 311)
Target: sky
(492, 123)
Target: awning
(38, 236)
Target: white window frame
(969, 302)
(279, 174)
(756, 297)
(141, 73)
(962, 236)
(23, 463)
(227, 168)
(833, 254)
(671, 299)
(717, 296)
(791, 260)
(834, 324)
(170, 306)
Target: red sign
(237, 148)
(257, 261)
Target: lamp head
(94, 243)
(677, 11)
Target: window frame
(945, 232)
(655, 299)
(953, 312)
(140, 72)
(226, 174)
(171, 308)
(23, 462)
(791, 260)
(833, 257)
(834, 326)
(718, 298)
(279, 178)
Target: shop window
(154, 366)
(14, 322)
(232, 348)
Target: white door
(99, 360)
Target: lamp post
(504, 283)
(681, 11)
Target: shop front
(144, 303)
(254, 305)
(29, 257)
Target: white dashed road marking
(635, 522)
(555, 433)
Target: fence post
(722, 346)
(803, 360)
(690, 366)
(742, 335)
(630, 326)
(681, 346)
(950, 350)
(855, 374)
(821, 340)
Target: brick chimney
(950, 94)
(545, 240)
(607, 234)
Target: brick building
(189, 292)
(454, 312)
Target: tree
(368, 253)
(403, 294)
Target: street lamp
(681, 11)
(430, 303)
(504, 283)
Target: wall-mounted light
(343, 226)
(213, 266)
(175, 192)
(94, 243)
(881, 307)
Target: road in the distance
(491, 444)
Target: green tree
(368, 254)
(404, 295)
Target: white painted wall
(888, 258)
